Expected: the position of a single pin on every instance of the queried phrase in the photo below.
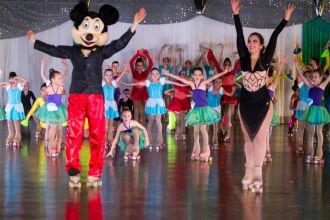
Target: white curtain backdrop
(18, 54)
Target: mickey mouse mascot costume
(86, 95)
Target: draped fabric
(16, 16)
(315, 35)
(18, 54)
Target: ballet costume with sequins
(53, 112)
(111, 109)
(201, 113)
(14, 108)
(316, 114)
(129, 131)
(155, 104)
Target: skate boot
(135, 156)
(74, 182)
(204, 157)
(308, 159)
(257, 182)
(93, 181)
(318, 161)
(247, 179)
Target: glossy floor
(163, 185)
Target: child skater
(315, 115)
(180, 105)
(214, 95)
(53, 113)
(126, 102)
(131, 136)
(201, 115)
(2, 112)
(275, 121)
(14, 108)
(111, 109)
(255, 108)
(303, 103)
(293, 105)
(140, 74)
(37, 104)
(155, 106)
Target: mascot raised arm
(90, 34)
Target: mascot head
(90, 28)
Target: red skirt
(139, 94)
(228, 99)
(179, 105)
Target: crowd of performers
(203, 95)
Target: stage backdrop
(18, 54)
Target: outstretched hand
(139, 16)
(283, 59)
(31, 36)
(64, 62)
(288, 11)
(43, 61)
(235, 6)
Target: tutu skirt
(52, 117)
(122, 143)
(275, 120)
(155, 107)
(179, 105)
(111, 110)
(202, 115)
(228, 99)
(316, 115)
(2, 115)
(300, 109)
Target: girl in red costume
(140, 74)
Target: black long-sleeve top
(243, 50)
(87, 71)
(26, 100)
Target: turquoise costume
(110, 104)
(155, 104)
(14, 108)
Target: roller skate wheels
(9, 143)
(268, 158)
(93, 182)
(215, 147)
(247, 184)
(183, 137)
(300, 150)
(194, 157)
(308, 159)
(126, 157)
(226, 139)
(135, 156)
(318, 161)
(74, 182)
(257, 187)
(54, 155)
(205, 159)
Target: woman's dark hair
(108, 69)
(197, 69)
(262, 51)
(227, 60)
(295, 85)
(43, 85)
(139, 60)
(52, 74)
(12, 75)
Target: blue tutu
(155, 107)
(15, 112)
(111, 110)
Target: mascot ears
(108, 14)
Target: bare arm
(23, 80)
(137, 124)
(184, 81)
(172, 61)
(123, 72)
(214, 77)
(180, 50)
(174, 83)
(303, 78)
(42, 69)
(160, 56)
(221, 52)
(134, 84)
(4, 84)
(65, 72)
(115, 141)
(279, 73)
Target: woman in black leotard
(255, 107)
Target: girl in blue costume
(2, 112)
(214, 95)
(155, 106)
(302, 105)
(131, 136)
(53, 113)
(201, 115)
(255, 108)
(111, 110)
(14, 108)
(316, 115)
